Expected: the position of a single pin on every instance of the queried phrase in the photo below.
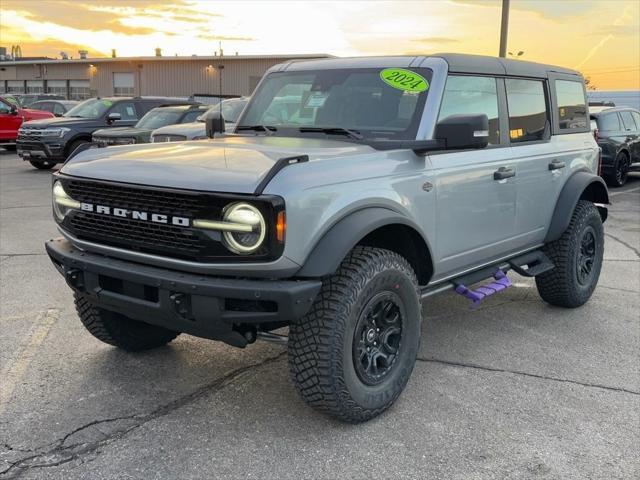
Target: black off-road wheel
(577, 256)
(42, 164)
(351, 356)
(119, 330)
(618, 177)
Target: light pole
(504, 28)
(220, 68)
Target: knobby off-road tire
(42, 164)
(577, 256)
(120, 331)
(331, 367)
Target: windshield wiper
(333, 131)
(267, 129)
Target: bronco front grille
(164, 239)
(163, 137)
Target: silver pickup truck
(350, 192)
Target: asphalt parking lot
(515, 389)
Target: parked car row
(617, 131)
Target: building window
(466, 95)
(35, 86)
(79, 90)
(15, 86)
(528, 116)
(572, 105)
(123, 84)
(57, 87)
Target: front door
(9, 122)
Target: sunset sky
(601, 38)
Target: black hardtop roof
(457, 62)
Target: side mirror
(214, 122)
(113, 117)
(463, 131)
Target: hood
(189, 130)
(64, 122)
(233, 164)
(121, 132)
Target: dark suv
(46, 142)
(156, 118)
(617, 130)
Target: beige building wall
(164, 76)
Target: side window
(58, 109)
(528, 116)
(636, 117)
(572, 106)
(191, 116)
(627, 120)
(4, 108)
(468, 95)
(126, 110)
(609, 121)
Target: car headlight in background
(54, 132)
(62, 202)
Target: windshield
(158, 118)
(376, 103)
(92, 108)
(231, 109)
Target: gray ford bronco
(350, 191)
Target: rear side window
(572, 106)
(609, 121)
(636, 117)
(528, 116)
(58, 109)
(627, 120)
(126, 110)
(465, 95)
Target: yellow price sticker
(405, 80)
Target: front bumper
(37, 150)
(203, 306)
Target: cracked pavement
(514, 389)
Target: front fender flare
(581, 185)
(328, 253)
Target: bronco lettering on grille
(136, 214)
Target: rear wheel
(618, 177)
(352, 354)
(119, 330)
(577, 256)
(42, 164)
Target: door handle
(556, 164)
(504, 172)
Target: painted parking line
(11, 375)
(622, 192)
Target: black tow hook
(74, 278)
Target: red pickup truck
(11, 117)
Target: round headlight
(244, 214)
(62, 202)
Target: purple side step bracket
(476, 296)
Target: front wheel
(577, 256)
(352, 354)
(120, 331)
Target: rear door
(476, 209)
(9, 123)
(631, 134)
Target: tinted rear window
(609, 121)
(572, 106)
(528, 117)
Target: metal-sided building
(83, 78)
